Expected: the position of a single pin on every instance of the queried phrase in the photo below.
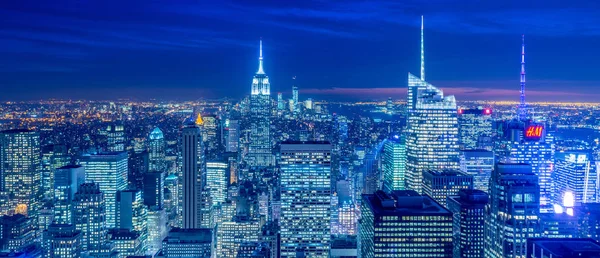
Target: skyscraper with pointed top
(432, 128)
(522, 105)
(260, 153)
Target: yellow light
(199, 120)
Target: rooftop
(568, 247)
(404, 203)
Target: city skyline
(71, 51)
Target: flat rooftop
(403, 203)
(567, 247)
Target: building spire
(522, 105)
(260, 60)
(422, 52)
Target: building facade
(439, 185)
(394, 163)
(260, 152)
(468, 209)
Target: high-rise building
(109, 171)
(439, 185)
(156, 151)
(394, 163)
(126, 242)
(432, 129)
(63, 241)
(589, 220)
(468, 209)
(562, 248)
(132, 214)
(280, 102)
(184, 243)
(115, 136)
(305, 198)
(191, 177)
(90, 217)
(232, 135)
(53, 157)
(230, 234)
(216, 180)
(17, 232)
(211, 135)
(66, 181)
(575, 173)
(157, 228)
(403, 224)
(260, 151)
(560, 224)
(512, 214)
(295, 106)
(478, 164)
(20, 172)
(473, 125)
(154, 185)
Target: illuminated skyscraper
(211, 135)
(90, 217)
(230, 234)
(157, 228)
(512, 214)
(394, 163)
(260, 151)
(156, 151)
(474, 125)
(66, 181)
(115, 135)
(109, 171)
(478, 164)
(403, 224)
(305, 198)
(154, 184)
(20, 172)
(132, 215)
(232, 135)
(280, 102)
(295, 103)
(216, 181)
(432, 129)
(439, 185)
(468, 209)
(191, 177)
(575, 172)
(53, 157)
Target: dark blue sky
(350, 49)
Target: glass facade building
(90, 217)
(394, 163)
(156, 151)
(474, 126)
(439, 185)
(575, 172)
(478, 164)
(216, 181)
(468, 209)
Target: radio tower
(522, 105)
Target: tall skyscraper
(575, 172)
(216, 181)
(280, 102)
(474, 125)
(478, 164)
(191, 177)
(53, 157)
(132, 215)
(305, 198)
(211, 135)
(403, 224)
(432, 128)
(154, 185)
(66, 181)
(115, 135)
(232, 135)
(468, 209)
(109, 171)
(260, 151)
(157, 228)
(439, 185)
(90, 217)
(295, 102)
(394, 163)
(156, 151)
(20, 172)
(512, 214)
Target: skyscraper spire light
(260, 60)
(522, 105)
(422, 52)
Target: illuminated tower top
(422, 52)
(522, 105)
(260, 83)
(260, 60)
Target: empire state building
(260, 152)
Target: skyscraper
(280, 102)
(66, 181)
(154, 185)
(216, 180)
(305, 198)
(403, 224)
(512, 214)
(53, 157)
(20, 172)
(211, 135)
(232, 135)
(295, 103)
(109, 171)
(468, 209)
(156, 151)
(432, 128)
(184, 243)
(575, 172)
(230, 234)
(260, 151)
(115, 135)
(191, 178)
(132, 215)
(63, 241)
(90, 217)
(478, 164)
(394, 163)
(474, 124)
(439, 185)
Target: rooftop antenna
(422, 52)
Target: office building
(254, 250)
(432, 129)
(394, 163)
(589, 220)
(560, 224)
(468, 209)
(62, 241)
(260, 151)
(157, 228)
(232, 135)
(20, 172)
(562, 248)
(230, 235)
(154, 185)
(216, 180)
(109, 171)
(512, 214)
(191, 177)
(157, 151)
(182, 243)
(17, 232)
(305, 180)
(478, 164)
(295, 102)
(343, 246)
(403, 224)
(441, 184)
(575, 173)
(66, 181)
(115, 136)
(53, 156)
(89, 217)
(211, 135)
(473, 126)
(132, 215)
(126, 242)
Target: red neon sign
(534, 131)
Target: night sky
(342, 50)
